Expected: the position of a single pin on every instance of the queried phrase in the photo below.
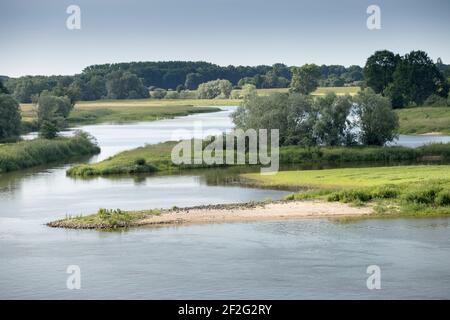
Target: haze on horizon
(35, 39)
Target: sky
(35, 40)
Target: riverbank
(246, 212)
(157, 158)
(399, 191)
(31, 153)
(123, 111)
(424, 120)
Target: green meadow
(400, 191)
(421, 120)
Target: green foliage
(303, 120)
(10, 119)
(48, 130)
(305, 79)
(214, 89)
(25, 154)
(52, 113)
(436, 101)
(292, 114)
(172, 95)
(125, 85)
(375, 118)
(379, 70)
(406, 80)
(332, 127)
(158, 93)
(3, 89)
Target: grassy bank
(418, 191)
(157, 158)
(26, 154)
(90, 112)
(424, 120)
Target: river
(271, 259)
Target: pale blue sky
(35, 39)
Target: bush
(172, 95)
(48, 130)
(215, 89)
(158, 93)
(139, 162)
(443, 198)
(435, 101)
(424, 195)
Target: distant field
(132, 110)
(424, 120)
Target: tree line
(408, 80)
(132, 80)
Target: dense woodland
(131, 80)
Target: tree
(193, 80)
(48, 130)
(214, 89)
(292, 114)
(379, 70)
(10, 119)
(3, 88)
(332, 127)
(415, 79)
(305, 79)
(125, 85)
(375, 118)
(52, 112)
(158, 93)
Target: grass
(352, 177)
(104, 219)
(149, 158)
(90, 112)
(157, 158)
(403, 191)
(424, 120)
(26, 154)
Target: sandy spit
(282, 210)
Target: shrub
(424, 195)
(386, 192)
(172, 95)
(443, 198)
(214, 89)
(435, 101)
(158, 93)
(140, 161)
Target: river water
(276, 259)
